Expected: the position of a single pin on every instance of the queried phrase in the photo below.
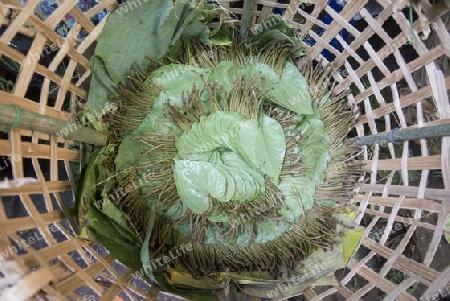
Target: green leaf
(101, 84)
(144, 253)
(140, 35)
(190, 294)
(314, 149)
(192, 25)
(177, 79)
(197, 181)
(291, 91)
(127, 254)
(352, 235)
(86, 188)
(268, 230)
(351, 240)
(129, 152)
(93, 173)
(220, 36)
(190, 181)
(226, 72)
(298, 195)
(263, 145)
(137, 29)
(217, 130)
(275, 28)
(121, 221)
(100, 228)
(316, 270)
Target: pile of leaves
(217, 142)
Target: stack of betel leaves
(226, 165)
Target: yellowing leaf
(181, 278)
(351, 214)
(350, 241)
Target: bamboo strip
(41, 151)
(30, 105)
(246, 15)
(403, 263)
(430, 193)
(405, 135)
(116, 289)
(25, 223)
(405, 101)
(382, 283)
(81, 19)
(414, 163)
(407, 221)
(32, 282)
(42, 123)
(408, 203)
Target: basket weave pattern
(387, 88)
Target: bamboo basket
(403, 199)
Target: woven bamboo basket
(396, 73)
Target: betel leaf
(176, 79)
(298, 193)
(188, 293)
(192, 25)
(249, 183)
(220, 36)
(101, 84)
(118, 50)
(128, 154)
(145, 252)
(190, 182)
(291, 91)
(121, 221)
(102, 229)
(212, 132)
(314, 149)
(131, 148)
(197, 181)
(269, 230)
(226, 73)
(262, 143)
(273, 29)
